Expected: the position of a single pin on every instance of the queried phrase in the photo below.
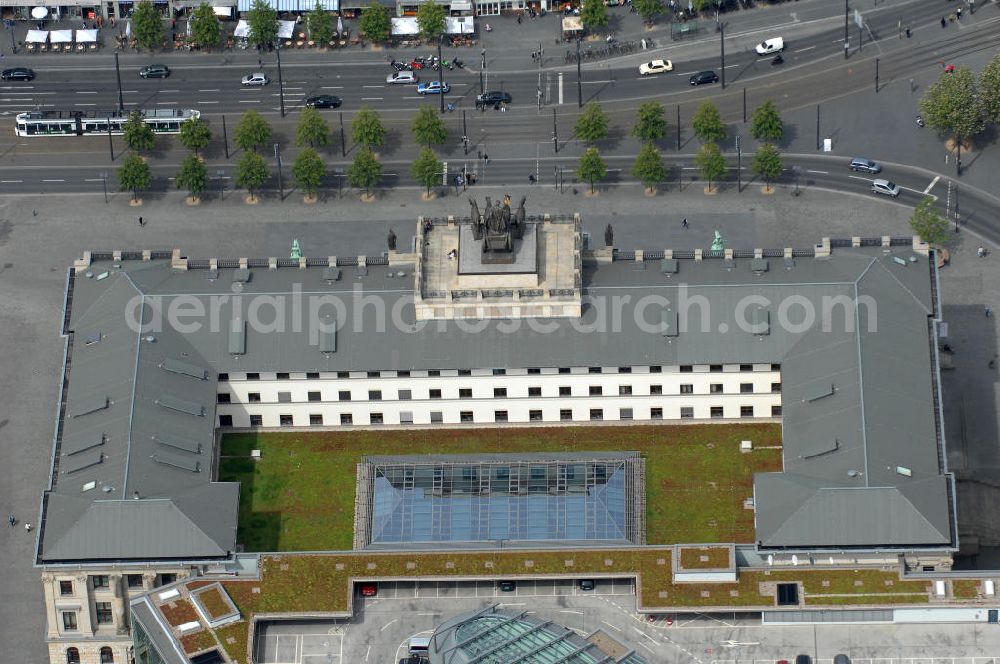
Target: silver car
(256, 78)
(401, 78)
(885, 187)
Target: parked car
(841, 659)
(865, 165)
(368, 589)
(655, 67)
(586, 584)
(803, 659)
(401, 78)
(885, 187)
(155, 71)
(769, 46)
(507, 586)
(433, 88)
(704, 77)
(18, 74)
(492, 98)
(256, 79)
(323, 101)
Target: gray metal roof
(857, 404)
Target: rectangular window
(687, 412)
(624, 369)
(406, 417)
(775, 367)
(253, 376)
(687, 388)
(746, 411)
(253, 397)
(499, 392)
(344, 395)
(315, 396)
(374, 395)
(499, 415)
(65, 587)
(376, 418)
(465, 372)
(282, 376)
(775, 411)
(405, 373)
(596, 413)
(595, 390)
(225, 420)
(715, 388)
(256, 420)
(465, 393)
(625, 414)
(594, 370)
(624, 390)
(465, 416)
(499, 372)
(99, 581)
(285, 420)
(346, 419)
(223, 397)
(566, 415)
(534, 391)
(69, 620)
(746, 388)
(134, 580)
(565, 391)
(104, 613)
(715, 368)
(343, 374)
(716, 411)
(405, 395)
(686, 368)
(656, 413)
(434, 373)
(312, 375)
(284, 397)
(746, 367)
(223, 376)
(534, 371)
(316, 419)
(434, 393)
(535, 415)
(775, 388)
(564, 370)
(655, 369)
(655, 389)
(373, 374)
(437, 417)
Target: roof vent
(181, 405)
(669, 266)
(103, 275)
(150, 339)
(899, 261)
(669, 326)
(238, 336)
(92, 339)
(759, 265)
(184, 368)
(89, 486)
(107, 489)
(904, 471)
(854, 473)
(331, 274)
(241, 276)
(820, 393)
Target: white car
(655, 67)
(256, 78)
(401, 78)
(769, 46)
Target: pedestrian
(958, 13)
(981, 252)
(11, 520)
(989, 312)
(684, 224)
(944, 23)
(907, 33)
(141, 222)
(531, 178)
(486, 158)
(503, 107)
(519, 19)
(27, 527)
(260, 62)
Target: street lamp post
(579, 80)
(847, 12)
(555, 133)
(722, 49)
(482, 70)
(225, 136)
(281, 184)
(465, 134)
(739, 166)
(222, 184)
(343, 139)
(281, 84)
(440, 72)
(118, 73)
(104, 179)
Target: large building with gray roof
(837, 342)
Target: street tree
(139, 136)
(262, 21)
(428, 127)
(649, 168)
(989, 90)
(592, 124)
(591, 167)
(648, 9)
(766, 124)
(134, 175)
(431, 20)
(251, 172)
(767, 163)
(951, 105)
(707, 123)
(319, 23)
(309, 171)
(192, 176)
(367, 129)
(650, 123)
(206, 31)
(426, 169)
(147, 25)
(594, 13)
(312, 129)
(365, 172)
(195, 134)
(375, 21)
(711, 163)
(928, 222)
(252, 131)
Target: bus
(93, 122)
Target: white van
(769, 46)
(419, 645)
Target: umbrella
(340, 24)
(39, 12)
(128, 29)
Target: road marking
(367, 652)
(332, 87)
(809, 170)
(212, 90)
(617, 629)
(427, 614)
(208, 102)
(169, 90)
(85, 92)
(11, 181)
(373, 86)
(53, 180)
(93, 179)
(165, 103)
(85, 104)
(388, 623)
(372, 98)
(511, 604)
(597, 82)
(931, 185)
(288, 88)
(569, 611)
(249, 101)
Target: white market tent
(572, 24)
(407, 25)
(62, 36)
(286, 29)
(85, 36)
(37, 36)
(223, 11)
(459, 25)
(242, 29)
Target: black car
(18, 74)
(507, 586)
(803, 659)
(155, 71)
(586, 584)
(493, 98)
(704, 77)
(323, 101)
